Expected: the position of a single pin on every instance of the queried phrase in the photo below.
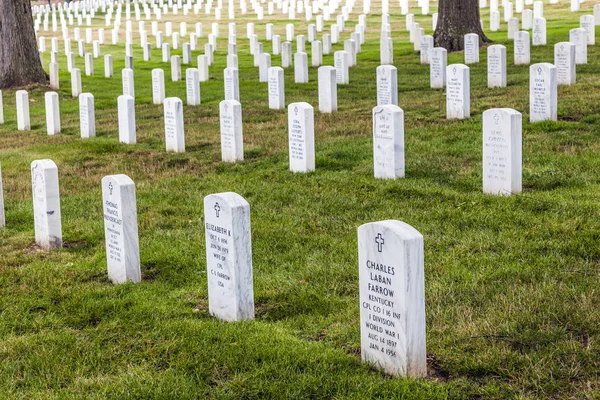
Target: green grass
(511, 283)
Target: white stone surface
(23, 119)
(471, 48)
(327, 76)
(158, 86)
(437, 68)
(539, 32)
(502, 151)
(126, 115)
(54, 78)
(276, 87)
(264, 63)
(108, 66)
(578, 37)
(75, 82)
(174, 134)
(458, 96)
(87, 116)
(522, 55)
(231, 84)
(496, 57)
(387, 85)
(192, 86)
(301, 130)
(426, 49)
(392, 298)
(543, 89)
(121, 229)
(342, 64)
(46, 204)
(1, 108)
(301, 68)
(587, 22)
(128, 83)
(203, 67)
(176, 68)
(388, 141)
(229, 257)
(232, 141)
(564, 60)
(52, 113)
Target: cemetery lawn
(511, 283)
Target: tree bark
(456, 18)
(20, 63)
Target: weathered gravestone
(388, 141)
(458, 97)
(121, 229)
(46, 204)
(229, 257)
(392, 297)
(543, 92)
(232, 142)
(301, 130)
(502, 151)
(496, 66)
(87, 115)
(342, 62)
(387, 85)
(174, 134)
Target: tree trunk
(456, 18)
(20, 63)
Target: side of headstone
(23, 119)
(52, 113)
(46, 204)
(126, 117)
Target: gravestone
(87, 116)
(264, 63)
(23, 119)
(458, 97)
(471, 48)
(327, 89)
(46, 204)
(539, 32)
(513, 27)
(174, 135)
(108, 66)
(231, 84)
(126, 116)
(52, 113)
(54, 79)
(317, 53)
(578, 37)
(192, 84)
(522, 48)
(75, 82)
(392, 298)
(496, 66)
(89, 65)
(121, 229)
(128, 85)
(286, 54)
(426, 49)
(342, 63)
(388, 141)
(437, 68)
(542, 92)
(158, 86)
(175, 68)
(502, 151)
(587, 22)
(229, 257)
(301, 68)
(203, 67)
(387, 85)
(232, 142)
(276, 88)
(564, 60)
(301, 129)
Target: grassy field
(512, 284)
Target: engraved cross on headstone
(217, 209)
(380, 241)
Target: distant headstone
(232, 142)
(426, 49)
(388, 141)
(458, 97)
(327, 89)
(175, 68)
(342, 64)
(231, 84)
(496, 56)
(387, 85)
(158, 86)
(587, 22)
(126, 116)
(542, 92)
(87, 116)
(471, 48)
(174, 135)
(264, 63)
(229, 257)
(286, 54)
(192, 85)
(54, 79)
(46, 204)
(301, 129)
(578, 37)
(564, 60)
(203, 67)
(502, 151)
(128, 85)
(121, 229)
(108, 66)
(52, 113)
(522, 48)
(75, 82)
(276, 88)
(301, 68)
(437, 68)
(23, 120)
(392, 298)
(539, 32)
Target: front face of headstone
(502, 151)
(192, 80)
(174, 134)
(52, 113)
(458, 92)
(438, 68)
(542, 92)
(522, 48)
(23, 119)
(276, 89)
(232, 143)
(496, 66)
(301, 137)
(158, 86)
(392, 298)
(87, 117)
(471, 48)
(387, 85)
(126, 116)
(564, 60)
(232, 91)
(388, 141)
(229, 257)
(121, 229)
(46, 204)
(327, 89)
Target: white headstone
(301, 68)
(232, 142)
(229, 257)
(23, 120)
(46, 204)
(542, 92)
(387, 85)
(126, 116)
(342, 63)
(231, 84)
(522, 54)
(75, 82)
(578, 37)
(496, 56)
(471, 48)
(108, 66)
(192, 80)
(458, 97)
(203, 67)
(128, 83)
(539, 32)
(327, 89)
(388, 141)
(1, 109)
(502, 151)
(276, 86)
(564, 60)
(263, 67)
(174, 135)
(587, 22)
(437, 69)
(54, 79)
(158, 86)
(301, 130)
(175, 68)
(121, 229)
(87, 116)
(52, 113)
(426, 49)
(392, 297)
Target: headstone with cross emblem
(427, 44)
(587, 22)
(522, 48)
(496, 56)
(564, 60)
(437, 68)
(158, 86)
(539, 32)
(276, 88)
(126, 116)
(578, 37)
(388, 141)
(543, 101)
(232, 142)
(502, 151)
(301, 130)
(231, 84)
(341, 61)
(192, 85)
(87, 116)
(392, 297)
(46, 204)
(121, 229)
(387, 85)
(327, 89)
(597, 14)
(458, 96)
(174, 132)
(229, 256)
(471, 48)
